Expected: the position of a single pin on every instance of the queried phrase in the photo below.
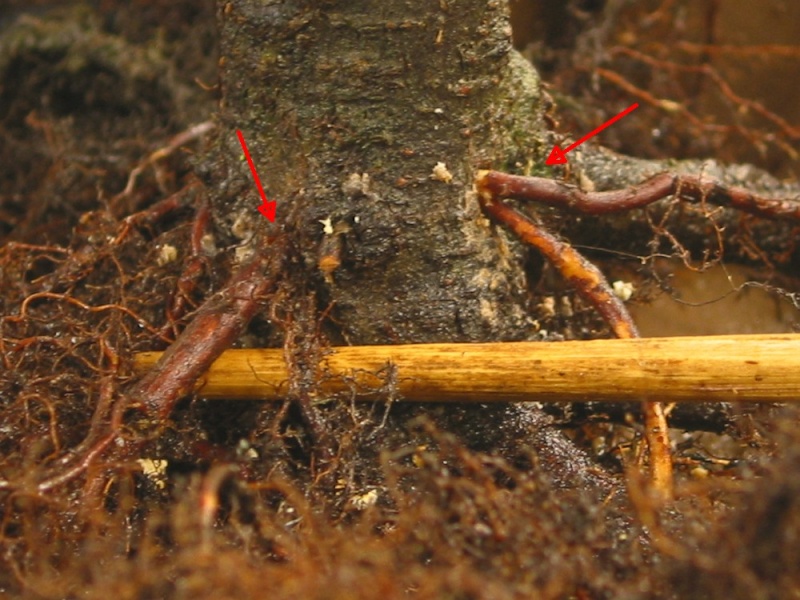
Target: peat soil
(105, 250)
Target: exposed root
(591, 284)
(215, 326)
(692, 188)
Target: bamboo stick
(715, 368)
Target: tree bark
(356, 102)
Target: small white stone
(365, 500)
(155, 470)
(566, 307)
(586, 184)
(356, 184)
(548, 307)
(243, 448)
(327, 226)
(623, 290)
(243, 225)
(166, 255)
(208, 244)
(441, 173)
(243, 253)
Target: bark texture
(358, 102)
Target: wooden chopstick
(749, 368)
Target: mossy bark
(347, 108)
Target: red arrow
(559, 156)
(267, 207)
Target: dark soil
(224, 499)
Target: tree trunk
(366, 122)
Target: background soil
(223, 500)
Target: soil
(224, 498)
